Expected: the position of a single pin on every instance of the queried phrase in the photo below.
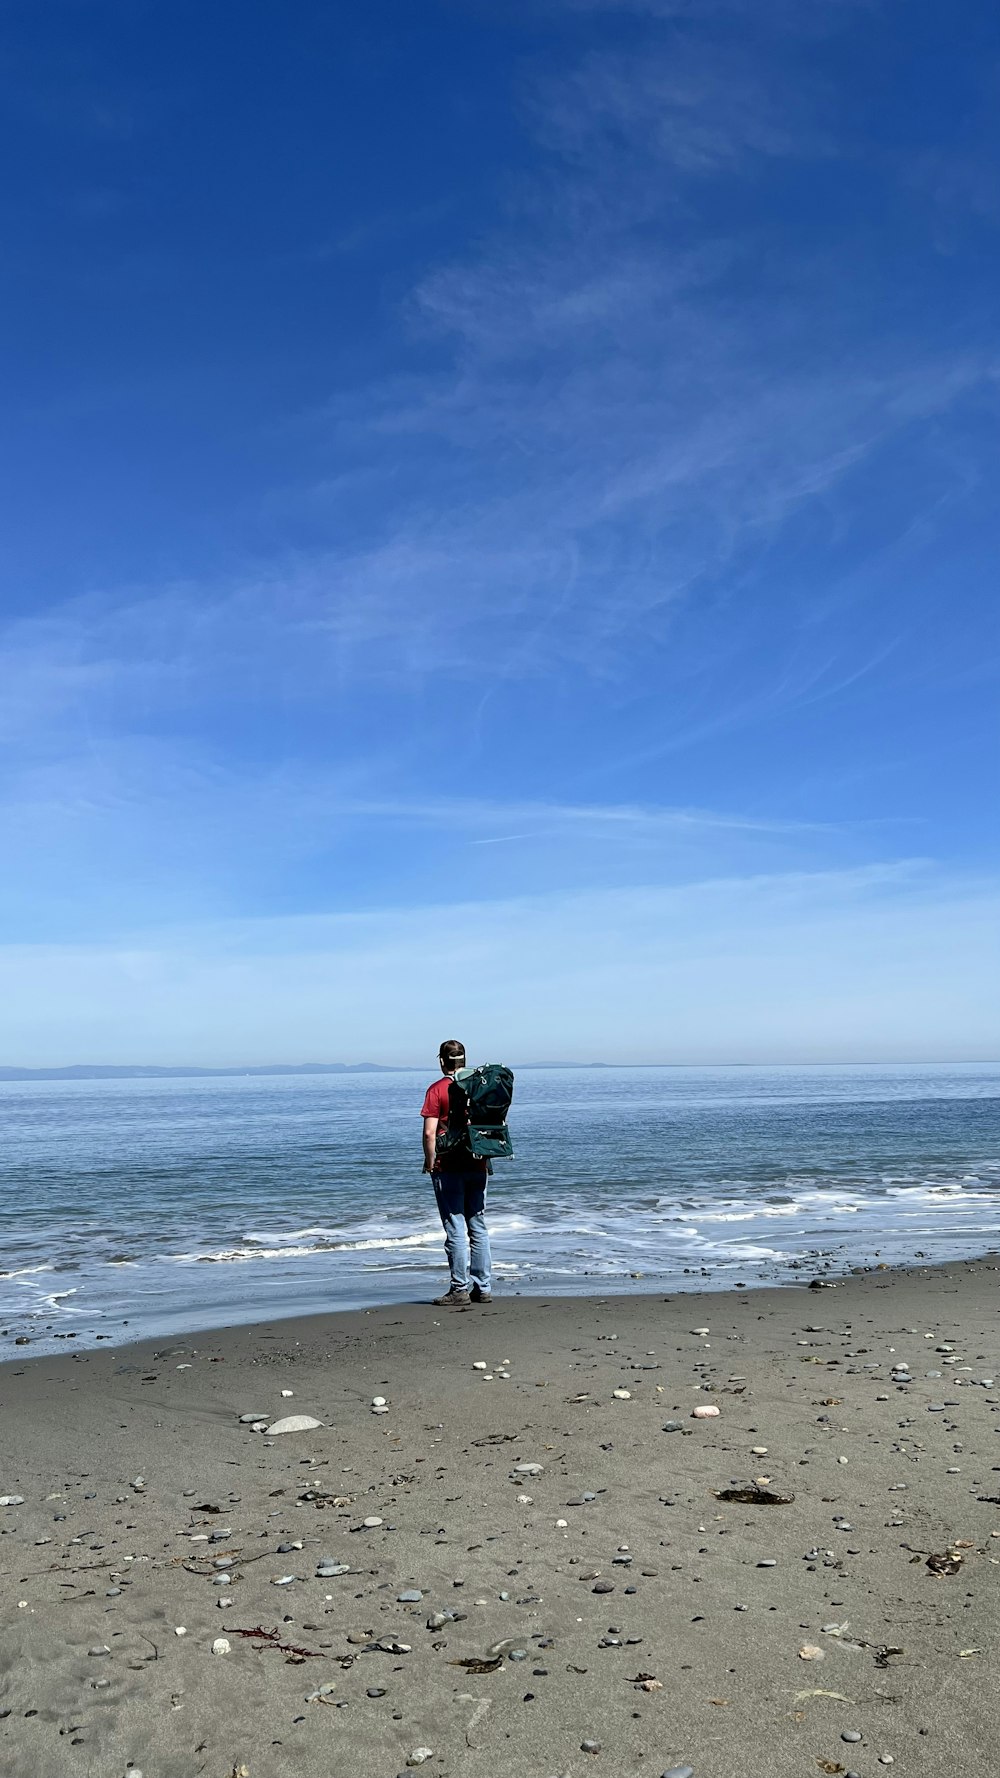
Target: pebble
(327, 1570)
(529, 1468)
(479, 1365)
(11, 1499)
(294, 1423)
(419, 1754)
(673, 1426)
(284, 1580)
(375, 1691)
(590, 1747)
(851, 1735)
(221, 1645)
(704, 1413)
(181, 1630)
(412, 1597)
(249, 1420)
(768, 1562)
(622, 1394)
(372, 1523)
(679, 1772)
(379, 1401)
(288, 1392)
(100, 1648)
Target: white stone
(704, 1413)
(372, 1523)
(294, 1423)
(379, 1401)
(221, 1645)
(419, 1754)
(181, 1630)
(528, 1468)
(479, 1365)
(287, 1393)
(11, 1499)
(622, 1394)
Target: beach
(553, 1518)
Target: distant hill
(92, 1071)
(138, 1071)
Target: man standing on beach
(459, 1182)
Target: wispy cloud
(879, 963)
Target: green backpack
(478, 1101)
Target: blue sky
(501, 531)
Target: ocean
(137, 1208)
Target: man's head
(451, 1056)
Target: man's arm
(430, 1142)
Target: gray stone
(411, 1597)
(679, 1772)
(851, 1735)
(327, 1570)
(99, 1649)
(294, 1423)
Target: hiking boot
(480, 1296)
(452, 1299)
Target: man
(459, 1182)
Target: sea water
(154, 1207)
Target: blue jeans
(461, 1200)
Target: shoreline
(17, 1339)
(610, 1598)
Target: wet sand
(627, 1620)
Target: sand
(659, 1626)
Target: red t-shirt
(436, 1103)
